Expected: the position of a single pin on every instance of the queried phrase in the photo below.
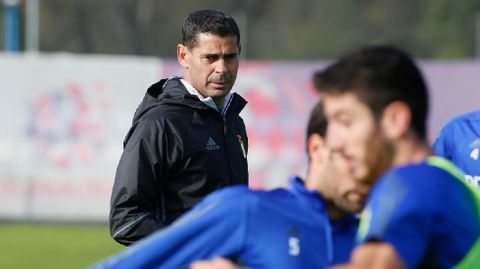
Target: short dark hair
(378, 76)
(208, 21)
(317, 123)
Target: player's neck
(411, 151)
(314, 181)
(334, 212)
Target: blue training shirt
(427, 213)
(282, 228)
(459, 141)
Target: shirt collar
(314, 199)
(311, 198)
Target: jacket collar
(173, 91)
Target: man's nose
(221, 66)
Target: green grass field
(54, 246)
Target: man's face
(345, 193)
(211, 66)
(357, 143)
(329, 175)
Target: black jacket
(177, 151)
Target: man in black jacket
(187, 138)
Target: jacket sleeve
(135, 202)
(214, 227)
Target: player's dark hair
(378, 76)
(208, 21)
(317, 123)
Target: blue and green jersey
(427, 213)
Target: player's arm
(374, 255)
(212, 228)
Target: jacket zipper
(240, 140)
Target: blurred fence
(64, 118)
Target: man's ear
(316, 147)
(396, 119)
(182, 55)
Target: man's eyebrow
(226, 55)
(341, 113)
(210, 54)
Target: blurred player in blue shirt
(420, 213)
(459, 141)
(305, 226)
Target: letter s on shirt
(293, 246)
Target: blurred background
(271, 29)
(73, 72)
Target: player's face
(354, 135)
(332, 179)
(346, 194)
(211, 66)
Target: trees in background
(271, 29)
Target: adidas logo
(475, 143)
(211, 145)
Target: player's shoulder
(469, 117)
(421, 186)
(433, 172)
(231, 192)
(242, 196)
(237, 194)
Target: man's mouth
(219, 83)
(358, 195)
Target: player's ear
(182, 55)
(396, 119)
(316, 148)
